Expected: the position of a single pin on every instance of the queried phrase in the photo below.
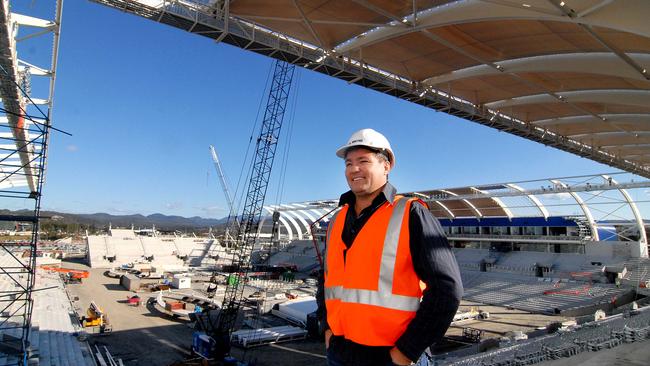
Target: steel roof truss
(473, 208)
(583, 206)
(498, 201)
(637, 216)
(344, 67)
(612, 118)
(602, 63)
(620, 18)
(633, 97)
(532, 198)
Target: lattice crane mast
(247, 230)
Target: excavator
(69, 275)
(96, 318)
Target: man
(382, 250)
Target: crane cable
(239, 195)
(256, 320)
(287, 147)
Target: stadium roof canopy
(595, 201)
(571, 74)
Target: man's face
(365, 172)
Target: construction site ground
(145, 336)
(141, 335)
(502, 320)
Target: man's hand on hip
(398, 357)
(328, 335)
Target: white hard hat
(371, 139)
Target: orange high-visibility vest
(373, 294)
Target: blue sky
(144, 101)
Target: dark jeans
(337, 358)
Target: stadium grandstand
(595, 215)
(569, 74)
(296, 218)
(554, 246)
(166, 252)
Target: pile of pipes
(107, 359)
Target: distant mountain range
(99, 220)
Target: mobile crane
(226, 192)
(222, 178)
(214, 343)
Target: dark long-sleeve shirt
(435, 265)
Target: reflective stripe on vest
(384, 296)
(368, 297)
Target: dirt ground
(144, 336)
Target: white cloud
(173, 205)
(72, 148)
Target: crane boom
(222, 178)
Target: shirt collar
(387, 194)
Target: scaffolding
(26, 91)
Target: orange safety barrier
(581, 274)
(581, 291)
(75, 273)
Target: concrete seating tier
(589, 337)
(638, 270)
(161, 251)
(538, 295)
(53, 336)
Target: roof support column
(283, 219)
(476, 212)
(498, 202)
(583, 206)
(532, 198)
(642, 250)
(447, 210)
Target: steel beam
(642, 251)
(532, 198)
(539, 192)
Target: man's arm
(435, 264)
(321, 311)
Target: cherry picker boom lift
(214, 343)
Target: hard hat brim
(341, 151)
(344, 149)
